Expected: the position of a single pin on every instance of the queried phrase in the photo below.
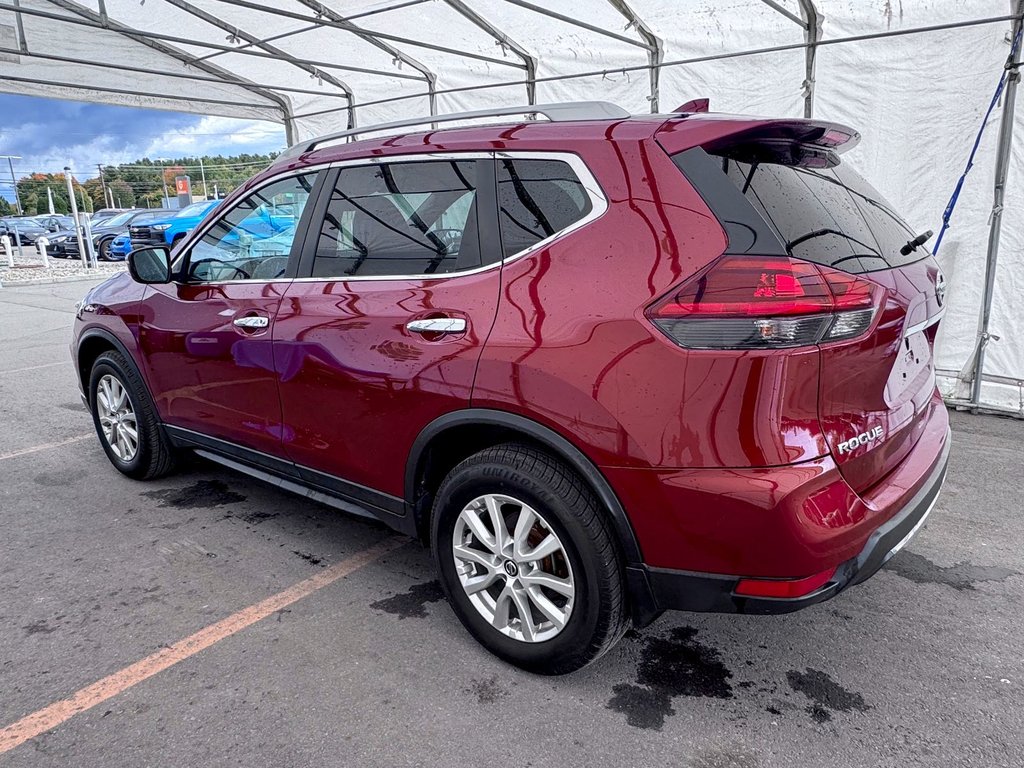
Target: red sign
(182, 185)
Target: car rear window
(830, 216)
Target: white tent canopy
(915, 77)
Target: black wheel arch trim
(561, 447)
(115, 342)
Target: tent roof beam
(655, 47)
(91, 20)
(502, 39)
(785, 12)
(581, 24)
(235, 30)
(373, 33)
(902, 32)
(118, 67)
(134, 92)
(345, 23)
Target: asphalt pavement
(315, 639)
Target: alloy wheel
(117, 418)
(513, 567)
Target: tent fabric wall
(918, 99)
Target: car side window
(253, 240)
(537, 199)
(401, 218)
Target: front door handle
(252, 322)
(437, 325)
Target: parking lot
(357, 660)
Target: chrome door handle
(252, 322)
(437, 325)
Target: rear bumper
(683, 590)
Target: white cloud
(209, 136)
(218, 136)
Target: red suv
(605, 365)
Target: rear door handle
(252, 322)
(437, 325)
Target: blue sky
(49, 134)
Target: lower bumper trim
(689, 591)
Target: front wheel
(126, 420)
(104, 249)
(527, 560)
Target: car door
(206, 337)
(383, 333)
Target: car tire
(568, 628)
(103, 251)
(121, 404)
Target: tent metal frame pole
(700, 59)
(998, 195)
(397, 55)
(311, 27)
(19, 26)
(161, 73)
(233, 29)
(787, 13)
(131, 92)
(325, 22)
(89, 18)
(813, 25)
(504, 41)
(577, 23)
(655, 49)
(273, 38)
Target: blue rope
(977, 142)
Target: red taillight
(783, 587)
(751, 302)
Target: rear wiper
(912, 245)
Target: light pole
(103, 183)
(202, 172)
(74, 212)
(17, 197)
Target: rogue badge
(862, 439)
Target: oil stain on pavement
(202, 494)
(961, 577)
(487, 691)
(826, 695)
(411, 604)
(671, 666)
(310, 558)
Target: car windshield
(147, 218)
(196, 209)
(119, 219)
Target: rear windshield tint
(830, 216)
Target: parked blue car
(119, 248)
(169, 230)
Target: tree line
(139, 184)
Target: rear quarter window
(537, 199)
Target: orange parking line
(44, 447)
(59, 712)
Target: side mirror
(150, 265)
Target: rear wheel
(527, 560)
(126, 420)
(104, 249)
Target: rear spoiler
(807, 143)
